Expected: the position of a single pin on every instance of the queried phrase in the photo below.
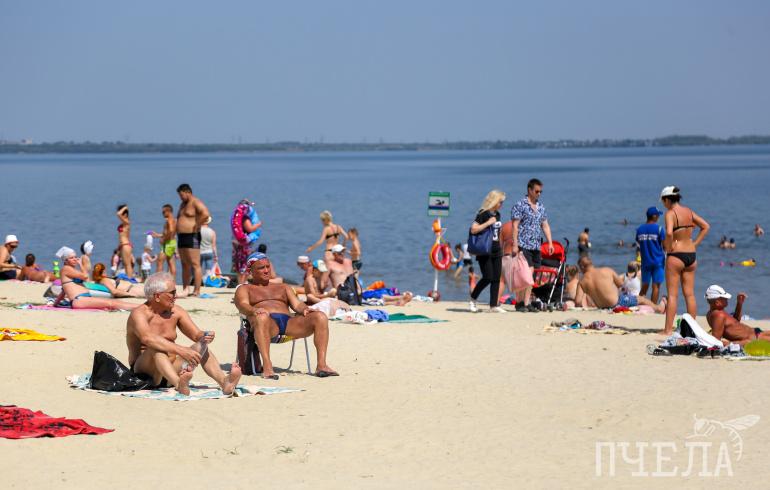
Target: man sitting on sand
(151, 338)
(726, 327)
(266, 306)
(9, 269)
(340, 267)
(600, 285)
(309, 284)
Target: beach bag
(521, 276)
(480, 243)
(109, 374)
(348, 291)
(247, 354)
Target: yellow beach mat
(26, 334)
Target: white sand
(482, 401)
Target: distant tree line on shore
(296, 146)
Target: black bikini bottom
(687, 258)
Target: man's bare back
(601, 285)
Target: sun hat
(337, 249)
(652, 211)
(10, 239)
(714, 292)
(255, 257)
(303, 259)
(669, 190)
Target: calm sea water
(55, 200)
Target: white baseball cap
(337, 249)
(11, 239)
(669, 190)
(303, 259)
(714, 292)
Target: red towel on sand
(21, 423)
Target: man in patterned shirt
(530, 223)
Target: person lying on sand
(151, 339)
(117, 287)
(729, 328)
(72, 279)
(266, 306)
(33, 272)
(600, 285)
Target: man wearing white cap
(340, 267)
(9, 269)
(310, 284)
(724, 326)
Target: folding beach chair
(244, 355)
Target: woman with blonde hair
(680, 247)
(330, 234)
(491, 264)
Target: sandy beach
(481, 401)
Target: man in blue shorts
(266, 307)
(650, 238)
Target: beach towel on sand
(22, 423)
(197, 391)
(58, 308)
(19, 334)
(404, 318)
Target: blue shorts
(627, 300)
(653, 273)
(281, 320)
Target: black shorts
(534, 257)
(188, 240)
(467, 262)
(357, 264)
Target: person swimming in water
(681, 261)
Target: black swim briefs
(188, 240)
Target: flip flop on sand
(326, 374)
(272, 376)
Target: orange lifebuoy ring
(441, 256)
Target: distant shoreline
(9, 147)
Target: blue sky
(193, 71)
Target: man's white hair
(157, 283)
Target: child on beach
(632, 283)
(147, 260)
(355, 248)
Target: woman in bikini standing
(681, 262)
(330, 234)
(125, 247)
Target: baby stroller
(550, 276)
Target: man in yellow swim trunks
(167, 241)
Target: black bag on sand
(348, 291)
(246, 349)
(109, 374)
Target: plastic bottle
(201, 346)
(56, 270)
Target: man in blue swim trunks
(599, 287)
(650, 238)
(266, 306)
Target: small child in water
(355, 249)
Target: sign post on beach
(438, 204)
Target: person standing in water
(330, 234)
(125, 247)
(192, 214)
(681, 262)
(355, 248)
